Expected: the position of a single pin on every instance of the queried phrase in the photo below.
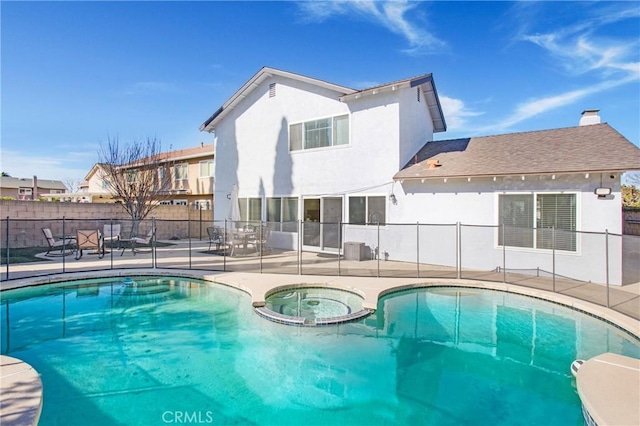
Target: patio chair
(215, 237)
(234, 240)
(63, 244)
(261, 239)
(111, 232)
(89, 239)
(133, 241)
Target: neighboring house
(29, 189)
(191, 172)
(301, 149)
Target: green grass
(28, 254)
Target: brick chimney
(589, 116)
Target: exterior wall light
(602, 192)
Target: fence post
(189, 234)
(339, 246)
(154, 236)
(606, 257)
(64, 248)
(111, 235)
(224, 252)
(417, 249)
(458, 251)
(504, 254)
(379, 251)
(553, 256)
(299, 251)
(7, 249)
(260, 242)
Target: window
(160, 177)
(132, 176)
(282, 214)
(25, 191)
(369, 210)
(202, 205)
(250, 209)
(320, 133)
(517, 213)
(105, 184)
(180, 202)
(182, 171)
(206, 168)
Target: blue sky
(75, 73)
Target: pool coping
(21, 393)
(258, 286)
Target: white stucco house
(307, 154)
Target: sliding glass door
(321, 227)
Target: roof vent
(433, 163)
(272, 90)
(589, 116)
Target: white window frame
(180, 202)
(533, 224)
(197, 204)
(181, 166)
(211, 169)
(366, 208)
(279, 224)
(246, 209)
(25, 191)
(333, 144)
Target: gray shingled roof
(591, 148)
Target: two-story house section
(191, 178)
(299, 148)
(325, 164)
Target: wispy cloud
(456, 113)
(579, 50)
(50, 167)
(392, 15)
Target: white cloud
(456, 113)
(611, 61)
(534, 107)
(389, 14)
(19, 165)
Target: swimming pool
(174, 349)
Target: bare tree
(138, 175)
(72, 185)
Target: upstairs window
(206, 168)
(320, 133)
(181, 172)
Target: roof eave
(254, 82)
(491, 175)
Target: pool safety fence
(592, 266)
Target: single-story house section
(307, 154)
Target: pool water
(176, 350)
(313, 303)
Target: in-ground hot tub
(313, 306)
